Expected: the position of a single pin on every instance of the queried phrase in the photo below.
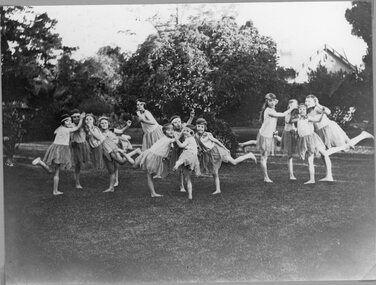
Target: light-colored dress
(309, 142)
(329, 131)
(154, 159)
(265, 141)
(59, 153)
(152, 133)
(189, 155)
(211, 155)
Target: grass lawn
(251, 232)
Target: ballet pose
(58, 155)
(309, 143)
(213, 153)
(154, 160)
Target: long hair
(269, 96)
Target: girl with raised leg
(58, 155)
(213, 153)
(154, 160)
(265, 141)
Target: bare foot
(156, 195)
(79, 186)
(310, 182)
(57, 192)
(216, 192)
(292, 178)
(328, 179)
(252, 156)
(36, 161)
(190, 197)
(109, 190)
(157, 176)
(183, 190)
(116, 184)
(268, 180)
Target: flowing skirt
(152, 163)
(57, 154)
(190, 161)
(150, 138)
(333, 135)
(289, 143)
(265, 145)
(310, 144)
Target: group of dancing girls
(188, 148)
(307, 132)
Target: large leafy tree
(29, 52)
(212, 66)
(360, 17)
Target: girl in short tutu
(289, 138)
(58, 155)
(154, 160)
(110, 146)
(334, 138)
(265, 141)
(152, 130)
(213, 153)
(310, 143)
(188, 159)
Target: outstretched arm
(279, 114)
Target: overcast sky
(299, 29)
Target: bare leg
(291, 169)
(187, 174)
(362, 136)
(151, 186)
(42, 164)
(56, 181)
(264, 168)
(328, 165)
(77, 171)
(177, 164)
(121, 159)
(181, 177)
(116, 176)
(217, 183)
(251, 142)
(112, 176)
(241, 158)
(311, 169)
(134, 152)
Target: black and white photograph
(188, 142)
